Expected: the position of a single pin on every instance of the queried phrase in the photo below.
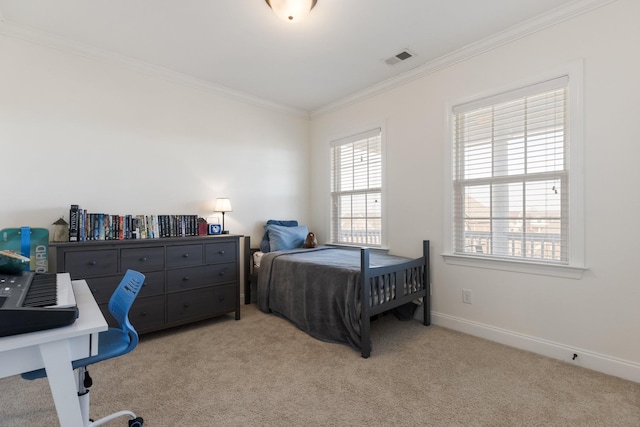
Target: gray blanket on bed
(317, 289)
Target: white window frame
(575, 265)
(351, 137)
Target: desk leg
(57, 362)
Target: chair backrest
(122, 300)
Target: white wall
(111, 139)
(598, 316)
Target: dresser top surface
(170, 241)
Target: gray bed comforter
(317, 290)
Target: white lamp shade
(223, 205)
(291, 10)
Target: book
(73, 223)
(82, 224)
(96, 227)
(104, 227)
(121, 228)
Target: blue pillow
(282, 238)
(264, 244)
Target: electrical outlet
(466, 296)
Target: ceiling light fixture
(291, 10)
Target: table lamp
(223, 205)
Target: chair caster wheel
(137, 422)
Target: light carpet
(262, 371)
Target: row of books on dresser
(85, 226)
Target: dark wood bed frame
(400, 283)
(250, 276)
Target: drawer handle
(144, 313)
(185, 279)
(221, 298)
(143, 259)
(221, 252)
(185, 305)
(185, 255)
(221, 274)
(92, 263)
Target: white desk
(54, 350)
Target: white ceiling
(241, 47)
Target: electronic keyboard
(32, 302)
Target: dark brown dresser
(187, 278)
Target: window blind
(356, 189)
(510, 174)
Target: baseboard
(584, 358)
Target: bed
(321, 290)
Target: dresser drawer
(153, 284)
(195, 277)
(147, 313)
(204, 302)
(184, 255)
(188, 278)
(223, 273)
(103, 287)
(91, 263)
(220, 252)
(142, 260)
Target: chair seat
(111, 343)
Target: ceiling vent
(402, 56)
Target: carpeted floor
(262, 371)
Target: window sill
(564, 271)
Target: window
(356, 189)
(512, 185)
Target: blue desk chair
(111, 343)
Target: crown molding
(66, 45)
(494, 41)
(516, 32)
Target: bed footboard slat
(390, 286)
